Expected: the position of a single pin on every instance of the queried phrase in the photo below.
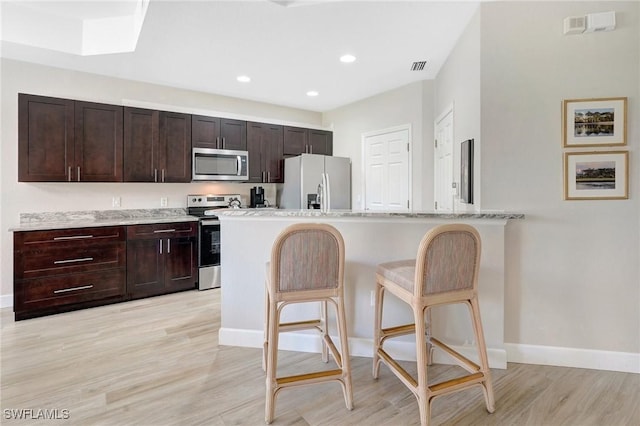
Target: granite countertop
(96, 218)
(368, 214)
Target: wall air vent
(574, 25)
(418, 66)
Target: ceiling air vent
(418, 66)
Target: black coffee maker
(257, 197)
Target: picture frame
(594, 122)
(466, 171)
(596, 175)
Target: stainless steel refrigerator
(316, 181)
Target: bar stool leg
(344, 349)
(265, 345)
(422, 392)
(379, 300)
(325, 330)
(272, 362)
(487, 386)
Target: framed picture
(594, 122)
(596, 175)
(466, 171)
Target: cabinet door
(295, 140)
(320, 142)
(181, 270)
(254, 146)
(175, 147)
(45, 139)
(98, 142)
(205, 132)
(233, 134)
(145, 267)
(141, 145)
(272, 153)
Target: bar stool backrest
(308, 257)
(448, 260)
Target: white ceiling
(286, 47)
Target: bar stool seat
(445, 271)
(307, 265)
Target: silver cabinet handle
(160, 231)
(155, 175)
(162, 175)
(160, 246)
(66, 290)
(69, 173)
(83, 259)
(78, 173)
(74, 237)
(268, 177)
(218, 142)
(168, 246)
(223, 142)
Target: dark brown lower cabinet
(161, 258)
(67, 269)
(62, 270)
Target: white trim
(400, 350)
(6, 301)
(627, 362)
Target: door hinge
(436, 142)
(436, 205)
(407, 146)
(407, 203)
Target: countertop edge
(347, 214)
(43, 226)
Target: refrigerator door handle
(327, 191)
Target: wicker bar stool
(307, 265)
(445, 272)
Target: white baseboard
(303, 342)
(6, 301)
(627, 362)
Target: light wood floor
(157, 362)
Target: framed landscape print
(596, 175)
(594, 122)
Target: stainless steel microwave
(219, 164)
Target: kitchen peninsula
(370, 238)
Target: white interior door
(387, 170)
(444, 162)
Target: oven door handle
(210, 222)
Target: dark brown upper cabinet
(157, 146)
(265, 146)
(218, 133)
(320, 142)
(61, 140)
(298, 140)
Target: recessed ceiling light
(243, 78)
(312, 93)
(347, 59)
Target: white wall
(15, 198)
(572, 266)
(458, 85)
(572, 277)
(397, 107)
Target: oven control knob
(199, 199)
(194, 199)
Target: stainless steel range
(205, 206)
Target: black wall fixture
(466, 171)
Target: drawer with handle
(74, 237)
(56, 261)
(162, 230)
(66, 289)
